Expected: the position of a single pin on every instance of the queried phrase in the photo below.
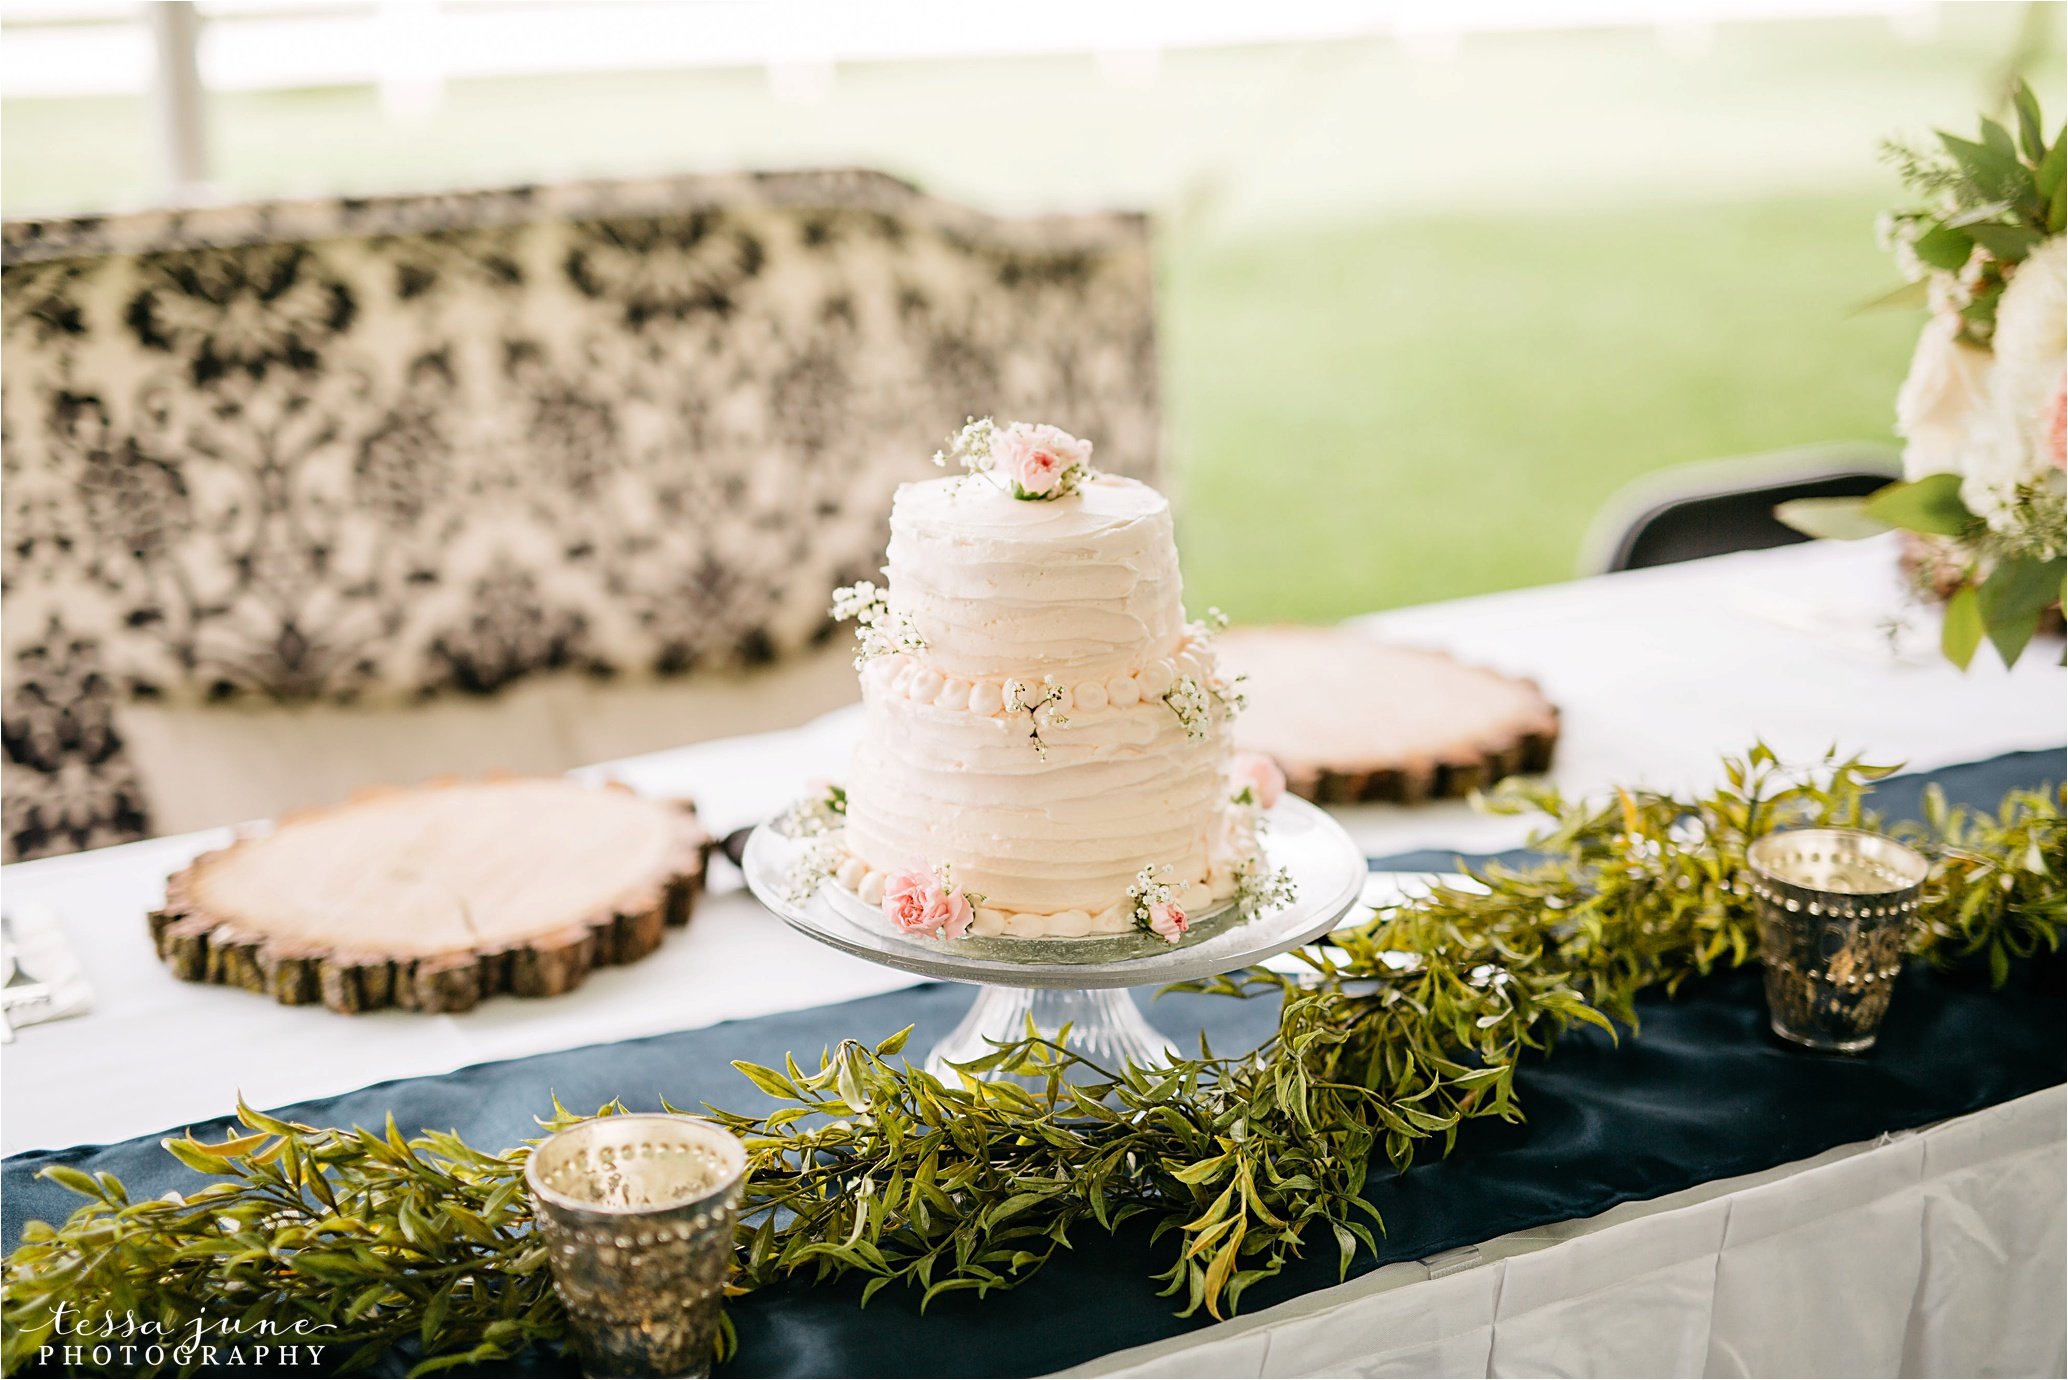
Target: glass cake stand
(1081, 983)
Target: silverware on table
(18, 988)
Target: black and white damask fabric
(393, 449)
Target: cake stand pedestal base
(1106, 1028)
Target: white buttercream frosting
(1115, 790)
(1078, 599)
(1077, 588)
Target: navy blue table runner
(1703, 1093)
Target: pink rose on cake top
(1037, 458)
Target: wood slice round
(1351, 718)
(434, 897)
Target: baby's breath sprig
(1228, 693)
(1149, 890)
(820, 811)
(1189, 699)
(879, 630)
(1153, 898)
(1022, 698)
(1258, 889)
(970, 447)
(813, 867)
(1209, 625)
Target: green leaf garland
(1407, 1028)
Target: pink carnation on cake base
(1168, 922)
(919, 903)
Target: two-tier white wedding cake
(1045, 750)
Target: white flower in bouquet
(1946, 389)
(1984, 410)
(2015, 457)
(1948, 293)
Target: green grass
(1420, 316)
(1422, 407)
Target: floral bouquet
(1981, 413)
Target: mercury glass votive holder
(1835, 911)
(637, 1213)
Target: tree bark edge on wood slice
(1352, 719)
(201, 939)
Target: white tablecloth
(1933, 1252)
(1657, 673)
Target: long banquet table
(1922, 1251)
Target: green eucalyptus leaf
(1995, 172)
(2021, 586)
(77, 1180)
(766, 1079)
(1912, 294)
(2010, 243)
(1998, 140)
(1961, 633)
(2013, 597)
(2031, 131)
(1838, 519)
(1931, 505)
(1945, 247)
(2051, 180)
(2010, 637)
